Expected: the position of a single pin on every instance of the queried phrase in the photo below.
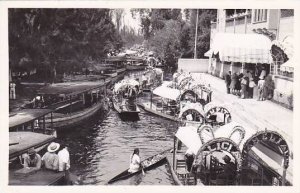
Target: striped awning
(249, 48)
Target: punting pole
(151, 99)
(51, 120)
(174, 150)
(44, 124)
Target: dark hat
(31, 151)
(226, 159)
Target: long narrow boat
(147, 164)
(72, 102)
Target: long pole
(196, 34)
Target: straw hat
(53, 147)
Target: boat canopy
(189, 136)
(166, 92)
(68, 88)
(192, 106)
(26, 116)
(24, 140)
(125, 83)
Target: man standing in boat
(135, 161)
(64, 161)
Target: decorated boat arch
(128, 87)
(192, 113)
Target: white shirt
(134, 163)
(63, 158)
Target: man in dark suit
(228, 81)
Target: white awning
(190, 138)
(194, 106)
(288, 66)
(166, 92)
(249, 48)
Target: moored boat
(28, 130)
(72, 102)
(226, 153)
(178, 105)
(146, 164)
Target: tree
(166, 42)
(60, 40)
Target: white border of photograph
(226, 4)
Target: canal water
(101, 148)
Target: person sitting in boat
(229, 170)
(135, 161)
(144, 80)
(50, 158)
(189, 159)
(32, 160)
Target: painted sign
(219, 144)
(271, 137)
(219, 110)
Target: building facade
(252, 40)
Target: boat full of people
(124, 98)
(29, 138)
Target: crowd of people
(57, 158)
(243, 85)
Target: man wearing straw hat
(50, 158)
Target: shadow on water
(101, 147)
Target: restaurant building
(252, 39)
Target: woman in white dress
(135, 161)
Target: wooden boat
(126, 111)
(72, 102)
(124, 99)
(147, 164)
(154, 110)
(29, 130)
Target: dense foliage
(59, 40)
(171, 36)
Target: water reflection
(101, 147)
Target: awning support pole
(231, 67)
(222, 70)
(243, 67)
